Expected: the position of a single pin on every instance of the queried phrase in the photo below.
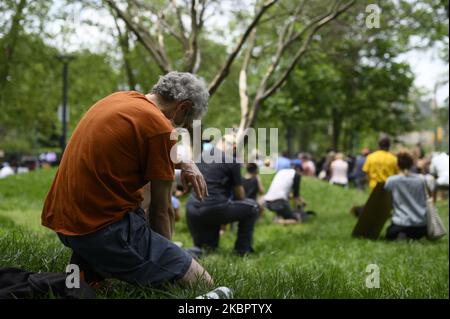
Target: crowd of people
(368, 168)
(24, 164)
(110, 198)
(409, 175)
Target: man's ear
(186, 104)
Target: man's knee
(250, 206)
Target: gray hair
(181, 86)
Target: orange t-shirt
(121, 143)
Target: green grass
(314, 260)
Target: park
(199, 149)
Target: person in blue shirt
(359, 176)
(283, 161)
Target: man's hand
(303, 202)
(191, 174)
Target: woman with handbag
(409, 200)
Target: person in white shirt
(309, 168)
(277, 197)
(339, 171)
(6, 171)
(439, 168)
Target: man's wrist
(184, 165)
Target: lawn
(315, 260)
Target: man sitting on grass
(122, 143)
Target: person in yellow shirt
(380, 164)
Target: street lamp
(65, 59)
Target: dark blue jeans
(129, 250)
(400, 232)
(282, 208)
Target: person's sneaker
(218, 293)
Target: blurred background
(376, 67)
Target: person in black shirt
(226, 203)
(252, 183)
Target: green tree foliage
(351, 84)
(32, 86)
(91, 78)
(223, 110)
(29, 97)
(348, 84)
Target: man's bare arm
(146, 197)
(160, 213)
(239, 192)
(260, 185)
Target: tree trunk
(304, 137)
(336, 127)
(126, 60)
(124, 43)
(269, 84)
(289, 134)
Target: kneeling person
(277, 197)
(122, 143)
(409, 195)
(226, 203)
